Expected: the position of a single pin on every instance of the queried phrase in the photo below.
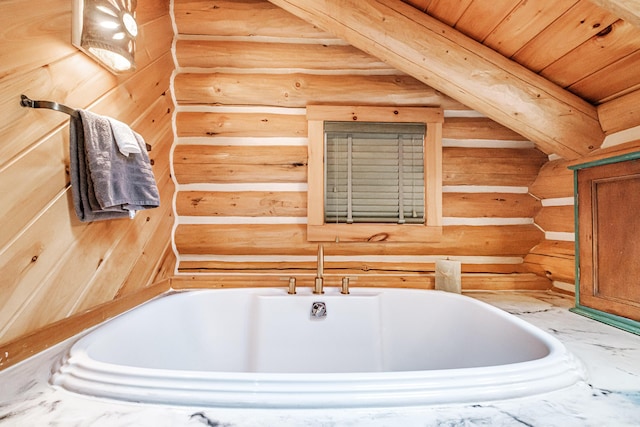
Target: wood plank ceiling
(582, 48)
(576, 44)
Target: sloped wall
(52, 266)
(246, 71)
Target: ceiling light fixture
(106, 30)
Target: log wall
(554, 257)
(245, 72)
(52, 267)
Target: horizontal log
(298, 90)
(605, 153)
(193, 124)
(240, 164)
(250, 18)
(553, 259)
(290, 239)
(555, 180)
(556, 120)
(338, 268)
(208, 124)
(294, 204)
(222, 174)
(368, 113)
(477, 128)
(470, 281)
(489, 205)
(244, 203)
(503, 282)
(241, 155)
(392, 233)
(251, 55)
(197, 163)
(621, 113)
(482, 166)
(556, 218)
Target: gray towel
(106, 184)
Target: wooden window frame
(320, 231)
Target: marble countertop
(609, 397)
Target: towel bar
(25, 101)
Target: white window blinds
(374, 172)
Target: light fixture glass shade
(106, 30)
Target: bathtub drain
(318, 309)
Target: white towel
(125, 137)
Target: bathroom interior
(534, 103)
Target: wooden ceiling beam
(447, 60)
(628, 10)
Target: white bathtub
(262, 348)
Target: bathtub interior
(271, 331)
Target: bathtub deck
(611, 397)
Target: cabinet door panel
(609, 229)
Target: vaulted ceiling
(563, 73)
(578, 45)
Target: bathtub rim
(76, 372)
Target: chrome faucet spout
(318, 287)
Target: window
(375, 174)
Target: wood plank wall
(246, 71)
(52, 267)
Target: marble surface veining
(609, 397)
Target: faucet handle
(345, 286)
(292, 284)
